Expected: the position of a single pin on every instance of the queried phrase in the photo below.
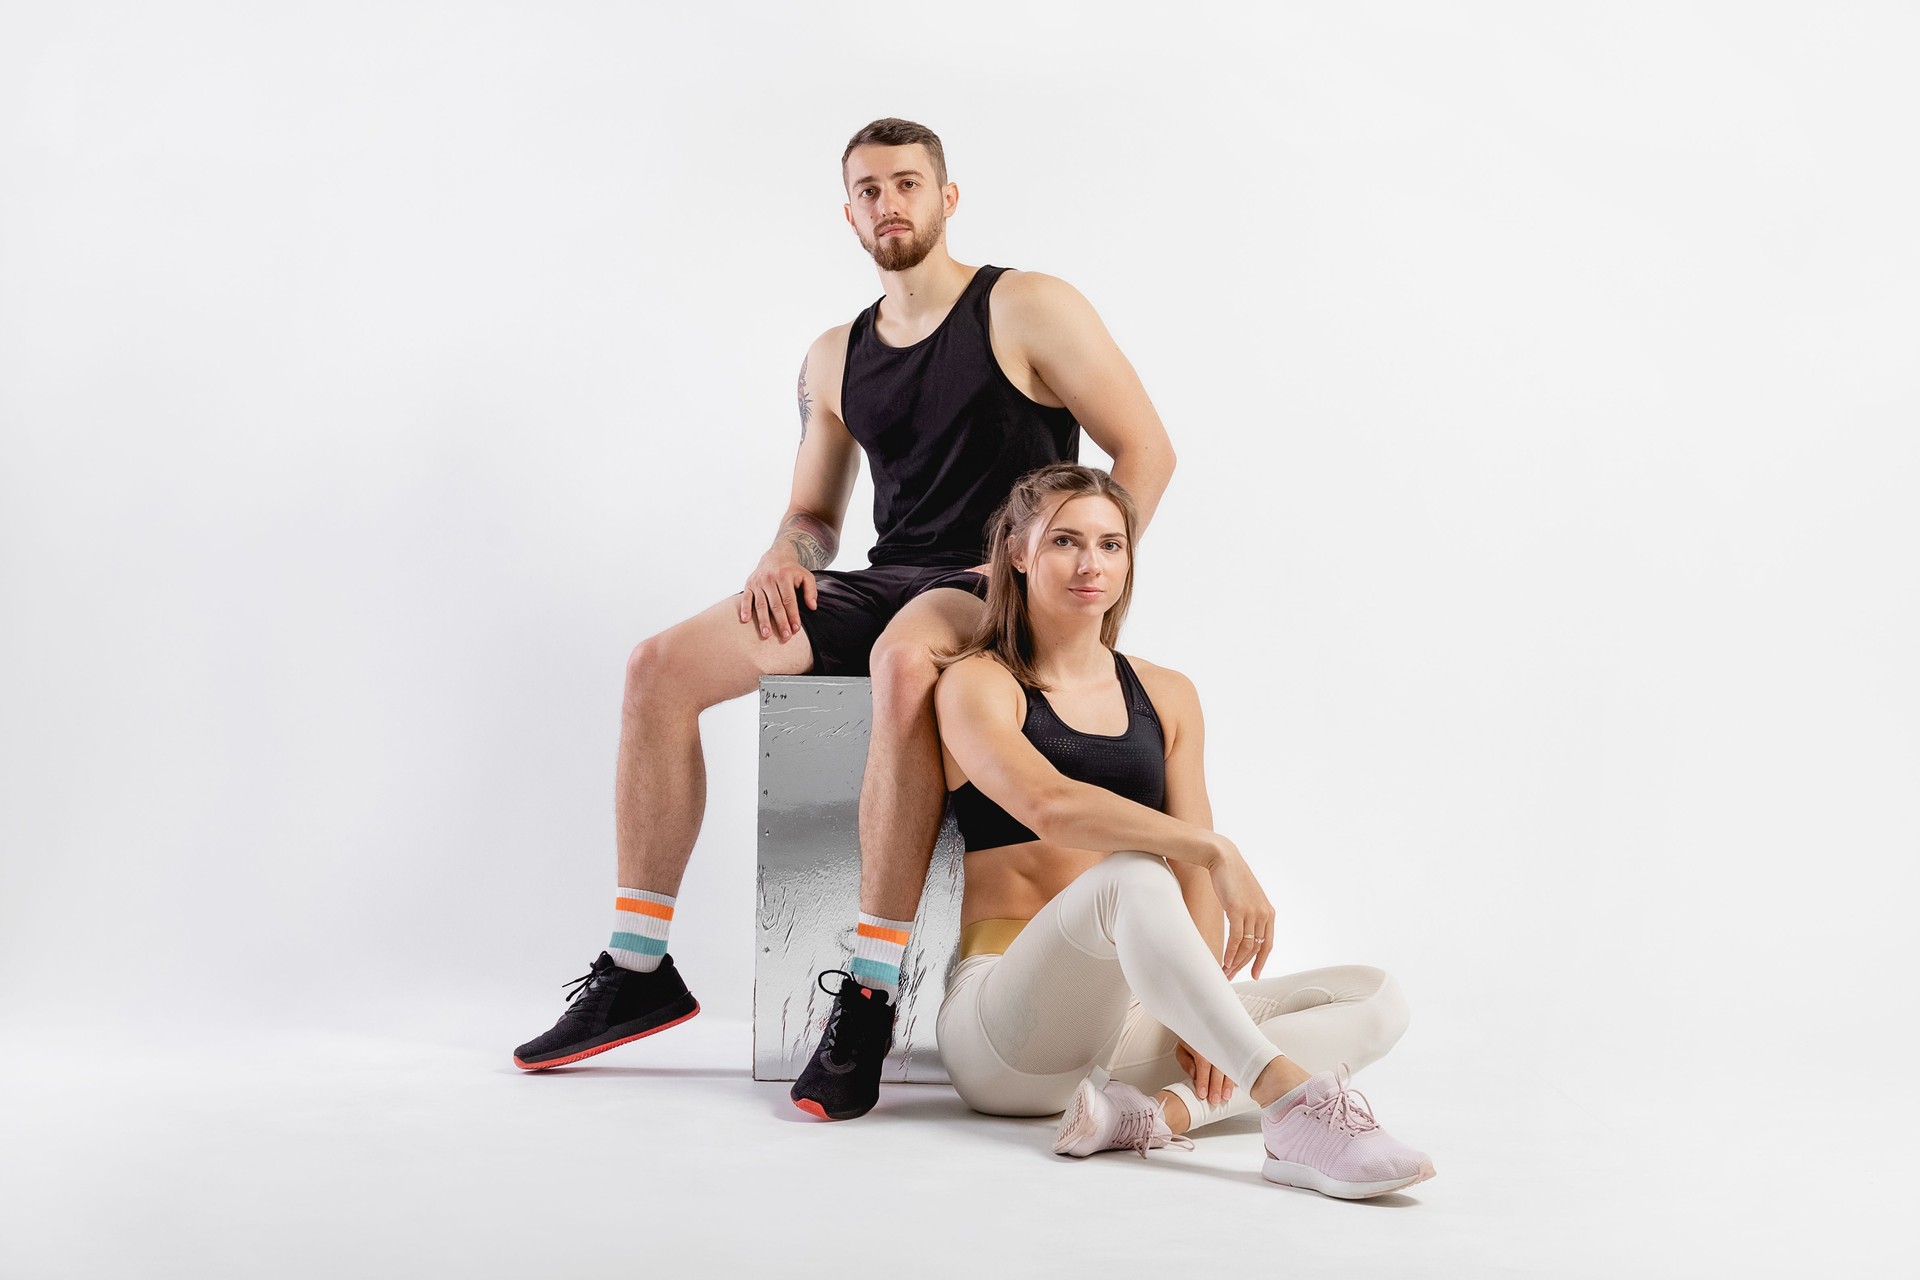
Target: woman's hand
(1249, 914)
(1208, 1082)
(772, 598)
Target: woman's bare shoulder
(977, 694)
(977, 678)
(1159, 679)
(1174, 697)
(979, 670)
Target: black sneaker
(610, 1006)
(842, 1079)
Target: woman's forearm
(1082, 816)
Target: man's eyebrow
(897, 173)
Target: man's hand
(1208, 1082)
(1249, 914)
(772, 598)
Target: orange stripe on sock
(896, 936)
(640, 906)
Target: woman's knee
(1130, 872)
(1122, 884)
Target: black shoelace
(830, 1040)
(589, 984)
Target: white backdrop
(373, 376)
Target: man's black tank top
(947, 433)
(1133, 764)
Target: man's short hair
(895, 132)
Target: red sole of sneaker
(819, 1112)
(602, 1048)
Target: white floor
(309, 1155)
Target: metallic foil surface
(813, 751)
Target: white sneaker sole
(1289, 1174)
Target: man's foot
(1110, 1115)
(1329, 1142)
(609, 1007)
(842, 1079)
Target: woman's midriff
(1009, 885)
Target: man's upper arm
(978, 706)
(1068, 346)
(829, 457)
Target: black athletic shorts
(857, 604)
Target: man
(955, 383)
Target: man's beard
(903, 253)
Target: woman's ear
(1017, 557)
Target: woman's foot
(1324, 1138)
(1109, 1115)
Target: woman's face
(1076, 561)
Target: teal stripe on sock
(639, 943)
(872, 971)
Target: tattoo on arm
(806, 401)
(813, 540)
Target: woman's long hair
(1006, 631)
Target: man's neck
(919, 297)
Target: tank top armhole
(862, 323)
(986, 336)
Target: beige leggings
(1111, 972)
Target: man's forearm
(812, 539)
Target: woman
(1103, 917)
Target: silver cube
(813, 751)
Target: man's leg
(660, 791)
(660, 778)
(904, 795)
(902, 798)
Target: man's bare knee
(701, 663)
(649, 666)
(903, 677)
(666, 671)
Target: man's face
(894, 205)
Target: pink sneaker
(1108, 1115)
(1329, 1142)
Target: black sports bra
(1132, 764)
